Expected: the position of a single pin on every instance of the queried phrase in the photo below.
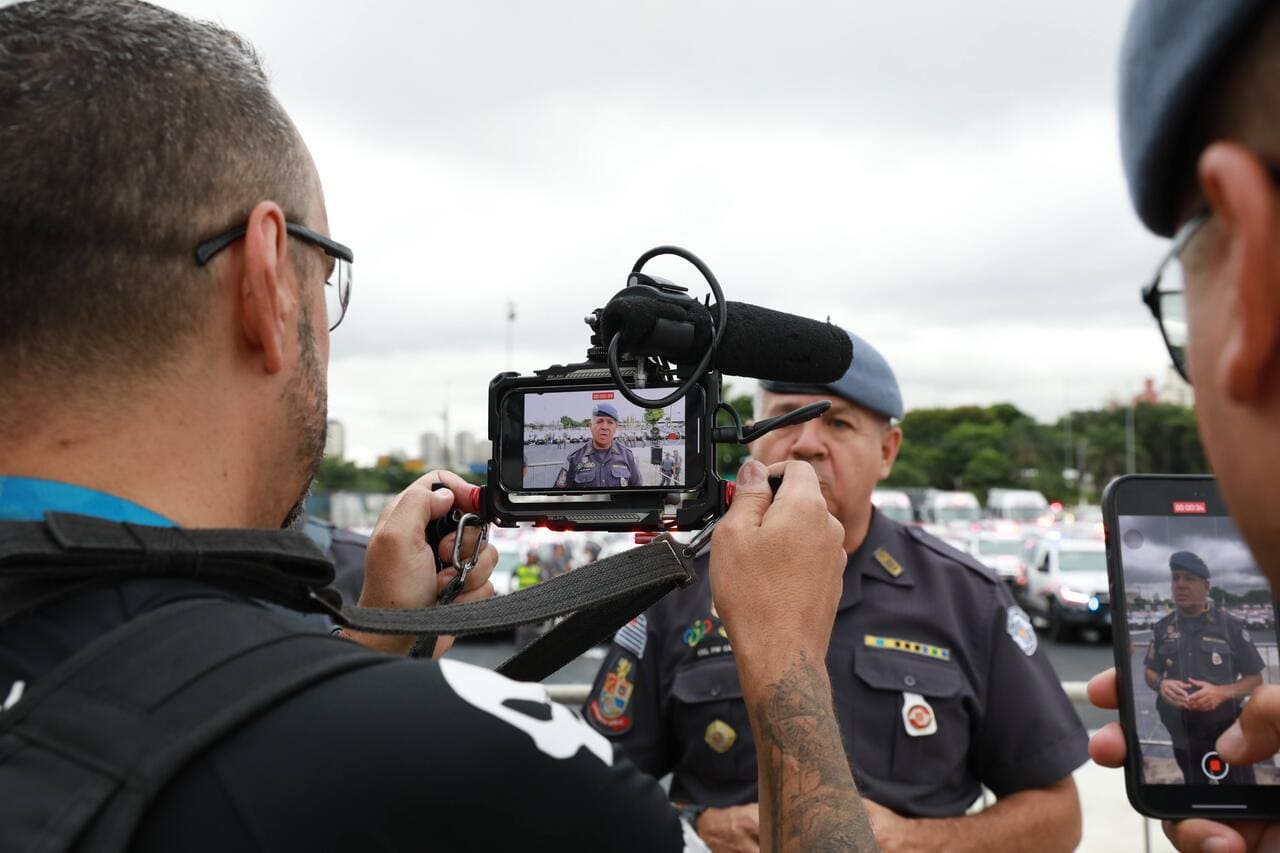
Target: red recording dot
(1215, 766)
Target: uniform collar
(28, 499)
(876, 559)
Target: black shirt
(407, 755)
(938, 682)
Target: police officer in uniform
(939, 684)
(1201, 663)
(601, 462)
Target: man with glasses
(1200, 140)
(165, 256)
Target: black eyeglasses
(1164, 295)
(337, 290)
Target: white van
(949, 508)
(1021, 505)
(895, 504)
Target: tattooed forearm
(807, 797)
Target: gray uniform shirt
(588, 467)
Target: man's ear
(266, 301)
(890, 443)
(1243, 199)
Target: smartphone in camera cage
(1194, 632)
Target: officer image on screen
(1201, 663)
(601, 462)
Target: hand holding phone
(1194, 636)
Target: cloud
(1215, 539)
(941, 178)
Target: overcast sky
(1214, 538)
(549, 408)
(941, 178)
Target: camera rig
(653, 336)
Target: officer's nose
(808, 442)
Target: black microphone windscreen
(782, 347)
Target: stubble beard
(307, 400)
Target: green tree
(729, 457)
(988, 468)
(567, 422)
(652, 416)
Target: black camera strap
(43, 561)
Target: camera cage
(687, 507)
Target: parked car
(1066, 583)
(1002, 552)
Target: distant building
(470, 451)
(335, 440)
(463, 443)
(431, 451)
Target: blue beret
(605, 409)
(1172, 51)
(869, 382)
(1186, 561)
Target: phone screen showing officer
(591, 440)
(1198, 636)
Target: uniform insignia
(917, 715)
(910, 646)
(720, 736)
(1169, 629)
(609, 707)
(695, 632)
(634, 636)
(1217, 659)
(1244, 633)
(1018, 625)
(886, 561)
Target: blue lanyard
(28, 499)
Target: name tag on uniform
(917, 715)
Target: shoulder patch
(1021, 631)
(887, 562)
(944, 550)
(634, 635)
(608, 709)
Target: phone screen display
(1201, 626)
(597, 440)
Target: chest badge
(720, 736)
(1217, 659)
(917, 715)
(695, 632)
(1018, 626)
(887, 562)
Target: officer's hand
(777, 567)
(400, 570)
(732, 830)
(1209, 696)
(1175, 692)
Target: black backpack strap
(286, 567)
(601, 599)
(88, 747)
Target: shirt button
(909, 680)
